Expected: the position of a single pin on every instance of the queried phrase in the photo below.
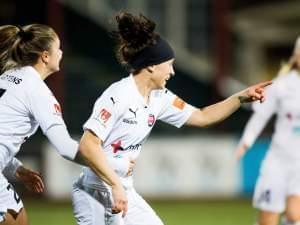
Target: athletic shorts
(9, 199)
(276, 182)
(92, 206)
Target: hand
(240, 152)
(131, 166)
(31, 179)
(120, 200)
(254, 93)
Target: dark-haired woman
(125, 114)
(29, 55)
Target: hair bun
(136, 31)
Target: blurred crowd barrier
(174, 167)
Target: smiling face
(55, 56)
(161, 73)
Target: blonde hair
(286, 67)
(22, 46)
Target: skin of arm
(217, 112)
(91, 154)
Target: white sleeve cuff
(11, 169)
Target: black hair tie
(21, 32)
(24, 35)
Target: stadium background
(188, 175)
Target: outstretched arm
(217, 112)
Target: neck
(144, 84)
(43, 72)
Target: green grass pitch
(217, 212)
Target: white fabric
(88, 211)
(26, 103)
(123, 120)
(283, 156)
(9, 199)
(10, 170)
(282, 99)
(272, 191)
(61, 140)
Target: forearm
(253, 128)
(219, 111)
(93, 156)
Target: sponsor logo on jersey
(117, 146)
(129, 121)
(179, 103)
(151, 120)
(104, 115)
(289, 116)
(133, 111)
(57, 109)
(11, 78)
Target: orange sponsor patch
(179, 103)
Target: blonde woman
(278, 187)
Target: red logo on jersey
(117, 146)
(104, 115)
(57, 109)
(151, 120)
(289, 116)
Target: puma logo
(133, 112)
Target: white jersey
(123, 120)
(282, 99)
(25, 103)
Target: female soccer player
(28, 56)
(278, 187)
(125, 114)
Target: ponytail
(22, 46)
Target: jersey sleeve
(103, 117)
(45, 108)
(174, 110)
(11, 168)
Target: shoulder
(282, 82)
(117, 93)
(163, 93)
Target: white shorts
(9, 199)
(93, 207)
(277, 181)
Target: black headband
(152, 55)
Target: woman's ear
(45, 57)
(150, 69)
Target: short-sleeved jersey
(25, 103)
(283, 99)
(123, 120)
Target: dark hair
(134, 34)
(22, 46)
